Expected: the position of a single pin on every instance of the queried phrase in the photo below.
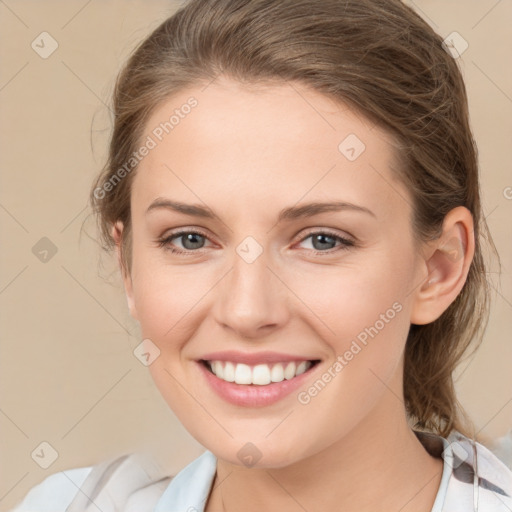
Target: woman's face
(269, 280)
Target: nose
(252, 300)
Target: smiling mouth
(259, 374)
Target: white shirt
(473, 480)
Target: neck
(379, 466)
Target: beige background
(68, 373)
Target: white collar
(188, 491)
(491, 486)
(190, 488)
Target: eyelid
(327, 231)
(164, 239)
(346, 241)
(183, 230)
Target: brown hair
(382, 59)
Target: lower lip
(252, 395)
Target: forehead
(248, 143)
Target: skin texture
(246, 153)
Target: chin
(262, 454)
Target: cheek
(170, 307)
(166, 296)
(363, 317)
(368, 322)
(348, 301)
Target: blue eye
(325, 241)
(191, 241)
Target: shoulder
(55, 492)
(478, 474)
(132, 480)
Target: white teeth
(217, 369)
(260, 374)
(301, 368)
(289, 371)
(229, 372)
(242, 374)
(277, 373)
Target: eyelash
(165, 242)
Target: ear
(446, 264)
(117, 235)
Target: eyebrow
(290, 213)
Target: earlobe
(117, 235)
(446, 267)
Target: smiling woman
(311, 228)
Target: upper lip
(255, 357)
